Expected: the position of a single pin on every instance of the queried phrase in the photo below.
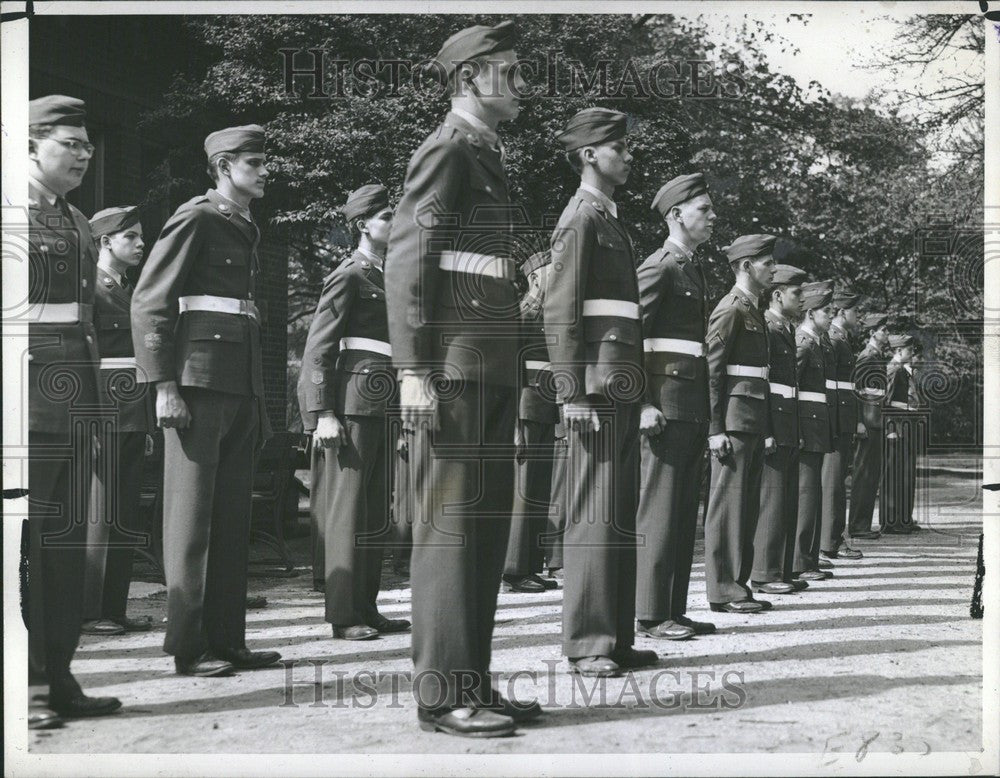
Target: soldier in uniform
(196, 331)
(870, 384)
(899, 474)
(848, 427)
(674, 420)
(62, 350)
(738, 406)
(455, 333)
(592, 314)
(815, 427)
(344, 387)
(774, 542)
(118, 481)
(535, 438)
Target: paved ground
(882, 658)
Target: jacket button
(217, 336)
(83, 283)
(229, 261)
(90, 339)
(675, 372)
(475, 303)
(613, 337)
(31, 357)
(488, 188)
(366, 370)
(687, 294)
(374, 295)
(115, 325)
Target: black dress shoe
(894, 529)
(523, 583)
(548, 583)
(799, 586)
(382, 624)
(823, 564)
(594, 666)
(142, 624)
(737, 606)
(764, 604)
(632, 658)
(699, 627)
(319, 586)
(204, 666)
(102, 627)
(355, 632)
(44, 719)
(870, 535)
(846, 552)
(245, 659)
(255, 601)
(774, 587)
(813, 575)
(556, 573)
(519, 711)
(467, 722)
(665, 630)
(80, 705)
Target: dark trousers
(353, 517)
(406, 473)
(834, 479)
(731, 521)
(899, 471)
(532, 490)
(115, 529)
(865, 481)
(672, 465)
(59, 475)
(460, 530)
(556, 525)
(774, 541)
(809, 525)
(207, 482)
(601, 498)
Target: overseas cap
(57, 109)
(900, 341)
(749, 247)
(845, 299)
(788, 275)
(248, 137)
(592, 127)
(873, 321)
(112, 220)
(365, 201)
(816, 294)
(472, 42)
(678, 190)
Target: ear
(362, 225)
(105, 242)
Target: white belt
(621, 308)
(366, 344)
(209, 302)
(63, 313)
(847, 385)
(478, 264)
(870, 392)
(901, 405)
(831, 384)
(747, 371)
(783, 389)
(693, 348)
(813, 397)
(537, 364)
(117, 363)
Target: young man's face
(58, 166)
(377, 228)
(500, 85)
(850, 317)
(905, 354)
(612, 160)
(761, 270)
(790, 300)
(248, 173)
(697, 216)
(881, 335)
(126, 246)
(822, 317)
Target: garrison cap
(788, 275)
(749, 247)
(678, 190)
(592, 127)
(872, 321)
(365, 201)
(845, 299)
(472, 42)
(112, 220)
(900, 341)
(816, 294)
(248, 137)
(57, 109)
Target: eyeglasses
(76, 146)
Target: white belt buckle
(366, 344)
(813, 397)
(783, 390)
(622, 309)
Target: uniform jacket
(784, 410)
(537, 402)
(62, 358)
(870, 383)
(595, 356)
(672, 289)
(902, 388)
(455, 199)
(811, 368)
(830, 373)
(120, 387)
(737, 336)
(847, 401)
(357, 382)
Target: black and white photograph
(512, 388)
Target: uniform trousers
(207, 483)
(899, 472)
(353, 518)
(405, 468)
(556, 525)
(731, 521)
(774, 541)
(834, 478)
(672, 466)
(460, 530)
(532, 491)
(599, 544)
(115, 529)
(865, 481)
(809, 525)
(59, 476)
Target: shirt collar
(684, 250)
(606, 201)
(489, 135)
(778, 317)
(48, 194)
(376, 261)
(908, 368)
(244, 212)
(113, 273)
(753, 298)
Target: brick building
(121, 66)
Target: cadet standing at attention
(196, 331)
(774, 542)
(118, 486)
(836, 463)
(899, 477)
(738, 404)
(592, 316)
(815, 427)
(455, 331)
(870, 384)
(61, 348)
(674, 421)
